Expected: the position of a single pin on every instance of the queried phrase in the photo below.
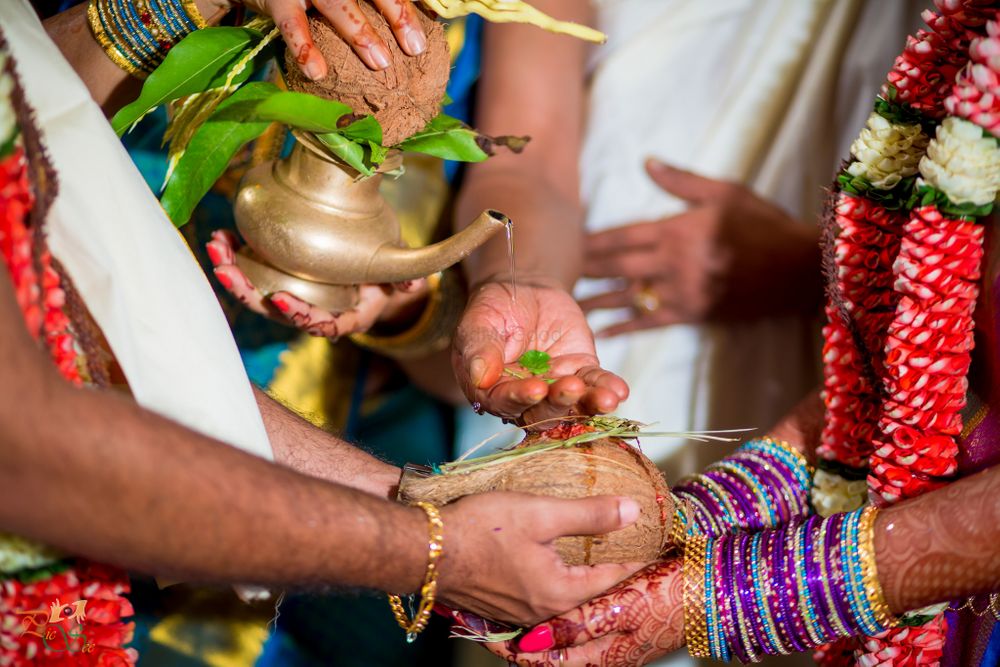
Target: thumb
(585, 516)
(685, 184)
(481, 349)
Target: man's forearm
(312, 451)
(94, 474)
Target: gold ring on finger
(646, 300)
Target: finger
(636, 235)
(617, 299)
(604, 380)
(410, 286)
(583, 625)
(222, 248)
(566, 391)
(635, 264)
(346, 18)
(236, 283)
(596, 515)
(402, 18)
(481, 350)
(685, 184)
(290, 17)
(638, 324)
(512, 398)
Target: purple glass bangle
(738, 494)
(784, 611)
(711, 514)
(743, 630)
(746, 600)
(791, 610)
(733, 510)
(783, 483)
(770, 546)
(814, 588)
(837, 572)
(724, 596)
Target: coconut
(403, 97)
(606, 466)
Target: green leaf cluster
(893, 199)
(926, 195)
(899, 112)
(218, 110)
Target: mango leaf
(448, 138)
(209, 152)
(367, 129)
(299, 110)
(198, 62)
(349, 151)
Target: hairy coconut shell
(403, 98)
(602, 467)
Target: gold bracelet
(428, 591)
(869, 569)
(695, 621)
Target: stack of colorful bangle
(787, 590)
(763, 485)
(136, 34)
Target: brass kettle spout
(393, 264)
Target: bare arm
(95, 474)
(312, 451)
(532, 83)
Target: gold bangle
(109, 45)
(695, 621)
(432, 331)
(428, 592)
(869, 568)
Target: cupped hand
(347, 19)
(499, 562)
(632, 624)
(377, 302)
(496, 329)
(731, 255)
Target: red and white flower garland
(33, 577)
(898, 342)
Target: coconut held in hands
(608, 466)
(403, 97)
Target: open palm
(498, 328)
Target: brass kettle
(314, 228)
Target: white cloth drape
(133, 270)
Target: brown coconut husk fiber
(609, 466)
(403, 98)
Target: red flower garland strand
(42, 303)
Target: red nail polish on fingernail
(226, 281)
(281, 305)
(539, 639)
(213, 254)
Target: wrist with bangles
(428, 590)
(137, 34)
(764, 484)
(782, 591)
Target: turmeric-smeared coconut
(607, 466)
(403, 98)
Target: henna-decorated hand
(497, 329)
(378, 302)
(347, 19)
(632, 624)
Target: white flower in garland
(17, 553)
(962, 163)
(886, 152)
(832, 494)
